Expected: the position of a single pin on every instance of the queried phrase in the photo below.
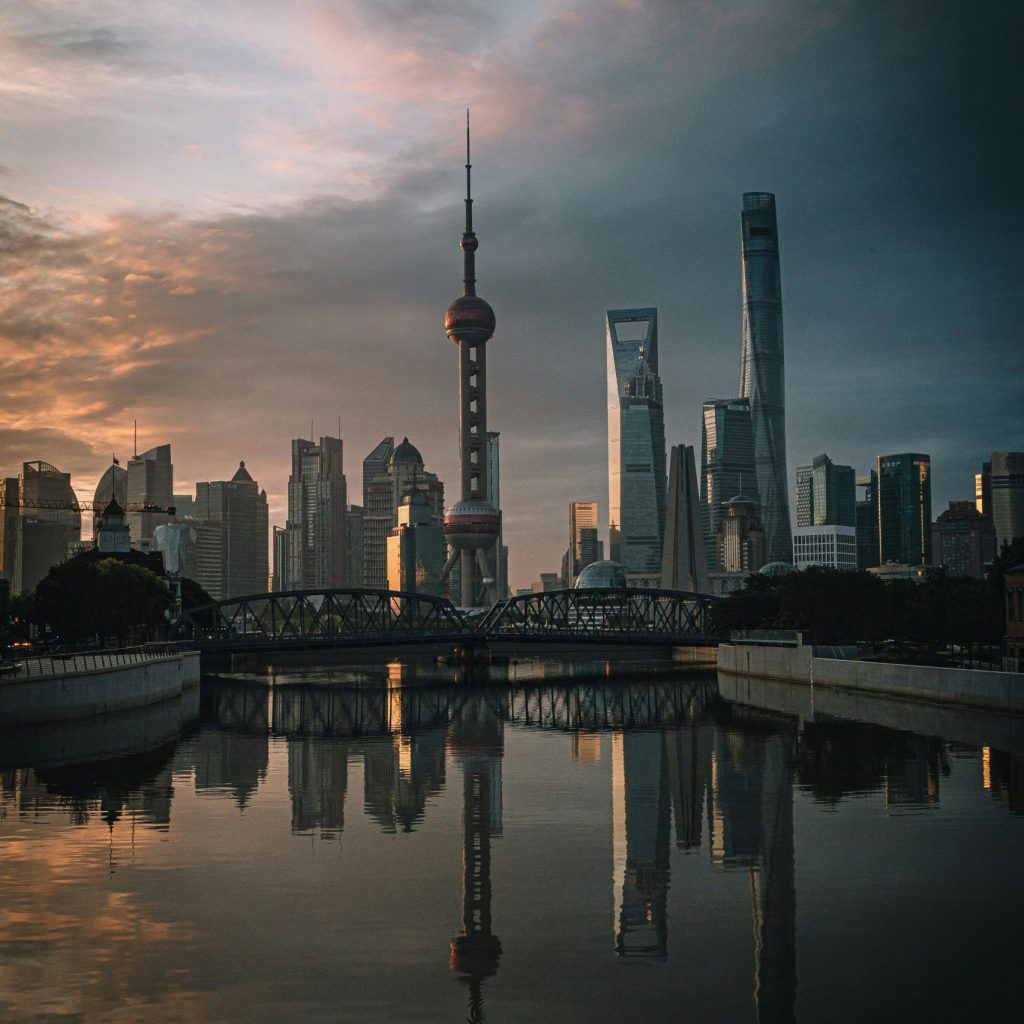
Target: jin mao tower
(472, 524)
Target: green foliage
(82, 599)
(1010, 556)
(833, 607)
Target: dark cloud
(611, 157)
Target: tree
(83, 599)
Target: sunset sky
(227, 217)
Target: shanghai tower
(762, 368)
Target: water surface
(323, 846)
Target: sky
(230, 220)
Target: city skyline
(166, 262)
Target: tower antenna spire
(469, 241)
(469, 189)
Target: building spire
(469, 241)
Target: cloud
(285, 248)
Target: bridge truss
(339, 617)
(613, 616)
(359, 617)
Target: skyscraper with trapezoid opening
(636, 441)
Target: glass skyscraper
(825, 494)
(1007, 496)
(636, 441)
(762, 370)
(905, 509)
(727, 465)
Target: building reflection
(476, 741)
(641, 829)
(838, 758)
(750, 815)
(139, 787)
(1003, 777)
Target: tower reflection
(750, 815)
(476, 740)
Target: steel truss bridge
(341, 618)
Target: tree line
(833, 607)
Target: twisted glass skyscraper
(762, 370)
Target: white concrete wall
(1003, 691)
(96, 692)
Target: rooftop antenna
(136, 442)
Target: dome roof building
(602, 575)
(406, 453)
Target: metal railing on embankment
(90, 661)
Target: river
(601, 842)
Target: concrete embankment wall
(1000, 691)
(96, 691)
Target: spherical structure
(469, 318)
(777, 569)
(604, 575)
(406, 453)
(472, 523)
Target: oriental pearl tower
(472, 524)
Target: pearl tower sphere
(471, 525)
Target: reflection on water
(693, 821)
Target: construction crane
(86, 506)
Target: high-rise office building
(1007, 496)
(742, 541)
(416, 548)
(905, 509)
(804, 495)
(41, 520)
(584, 546)
(279, 556)
(727, 465)
(866, 520)
(354, 518)
(238, 509)
(963, 541)
(983, 490)
(828, 545)
(150, 482)
(762, 367)
(636, 441)
(10, 506)
(825, 494)
(378, 513)
(683, 566)
(316, 549)
(390, 474)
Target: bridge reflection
(687, 770)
